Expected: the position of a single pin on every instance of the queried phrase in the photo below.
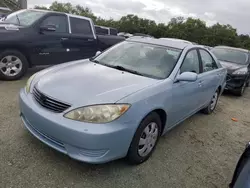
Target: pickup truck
(36, 37)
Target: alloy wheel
(10, 65)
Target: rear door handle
(64, 38)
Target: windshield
(144, 59)
(23, 17)
(230, 55)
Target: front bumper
(235, 82)
(91, 143)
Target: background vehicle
(241, 177)
(237, 62)
(35, 37)
(142, 35)
(101, 30)
(126, 35)
(136, 91)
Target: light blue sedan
(119, 103)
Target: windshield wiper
(118, 67)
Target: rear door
(82, 42)
(210, 77)
(47, 47)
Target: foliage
(191, 29)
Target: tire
(13, 65)
(240, 92)
(135, 154)
(213, 103)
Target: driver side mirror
(98, 53)
(187, 76)
(51, 28)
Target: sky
(233, 12)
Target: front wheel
(13, 65)
(213, 103)
(240, 92)
(145, 139)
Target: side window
(191, 63)
(60, 22)
(208, 62)
(80, 26)
(113, 31)
(101, 31)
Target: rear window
(113, 31)
(101, 30)
(80, 26)
(231, 55)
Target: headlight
(98, 113)
(241, 71)
(27, 87)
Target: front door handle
(200, 84)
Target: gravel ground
(201, 152)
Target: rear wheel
(212, 105)
(145, 139)
(13, 65)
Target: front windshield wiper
(118, 67)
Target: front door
(186, 95)
(48, 47)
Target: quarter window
(191, 63)
(80, 26)
(208, 62)
(60, 22)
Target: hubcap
(10, 65)
(214, 101)
(148, 139)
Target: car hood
(231, 67)
(87, 83)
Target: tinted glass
(60, 22)
(113, 31)
(208, 62)
(191, 63)
(149, 60)
(231, 55)
(80, 26)
(24, 18)
(101, 31)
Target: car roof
(175, 39)
(168, 43)
(233, 48)
(71, 15)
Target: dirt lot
(201, 152)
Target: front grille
(48, 102)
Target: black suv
(37, 37)
(237, 62)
